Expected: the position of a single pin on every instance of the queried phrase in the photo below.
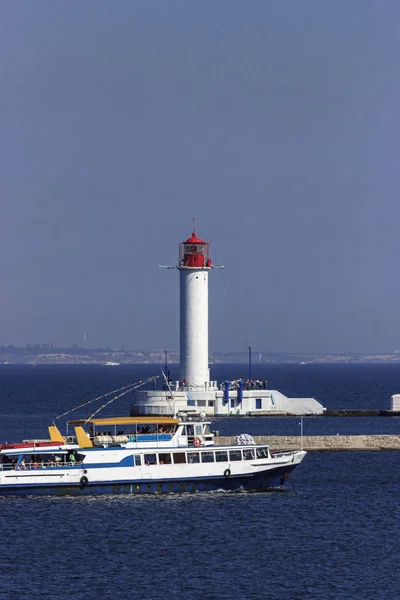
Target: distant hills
(45, 354)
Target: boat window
(221, 456)
(74, 458)
(199, 429)
(207, 429)
(39, 461)
(262, 452)
(211, 403)
(248, 454)
(183, 430)
(258, 403)
(58, 460)
(179, 458)
(235, 455)
(165, 428)
(146, 429)
(232, 402)
(193, 457)
(207, 457)
(164, 458)
(190, 430)
(8, 462)
(150, 459)
(201, 403)
(138, 460)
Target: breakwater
(339, 412)
(346, 412)
(322, 443)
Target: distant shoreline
(113, 358)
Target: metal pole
(301, 433)
(250, 374)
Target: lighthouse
(193, 265)
(194, 393)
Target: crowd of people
(256, 384)
(37, 461)
(141, 430)
(250, 384)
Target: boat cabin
(134, 432)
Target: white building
(195, 392)
(396, 402)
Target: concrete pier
(322, 443)
(355, 412)
(338, 412)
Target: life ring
(84, 481)
(227, 473)
(197, 442)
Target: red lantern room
(193, 253)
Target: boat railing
(37, 466)
(281, 454)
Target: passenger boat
(140, 455)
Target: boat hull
(256, 482)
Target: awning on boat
(34, 450)
(127, 421)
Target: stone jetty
(322, 443)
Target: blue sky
(275, 124)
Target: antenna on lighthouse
(194, 224)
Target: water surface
(332, 535)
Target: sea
(333, 534)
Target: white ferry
(140, 455)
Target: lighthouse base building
(195, 393)
(216, 402)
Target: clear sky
(275, 124)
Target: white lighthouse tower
(194, 265)
(194, 392)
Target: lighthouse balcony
(180, 386)
(183, 265)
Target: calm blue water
(332, 535)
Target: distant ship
(109, 363)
